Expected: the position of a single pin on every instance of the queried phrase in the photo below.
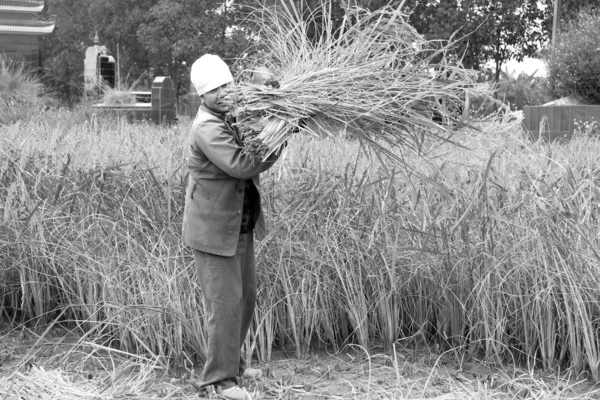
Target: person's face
(215, 99)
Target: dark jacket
(215, 193)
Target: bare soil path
(59, 365)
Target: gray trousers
(229, 289)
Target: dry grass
(374, 77)
(20, 90)
(122, 93)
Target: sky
(529, 66)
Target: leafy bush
(574, 65)
(587, 129)
(522, 90)
(20, 90)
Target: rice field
(396, 280)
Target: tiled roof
(24, 22)
(30, 27)
(22, 5)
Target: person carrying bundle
(222, 212)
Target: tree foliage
(574, 64)
(520, 90)
(117, 23)
(153, 37)
(569, 9)
(483, 30)
(158, 36)
(64, 49)
(180, 31)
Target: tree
(154, 37)
(117, 23)
(574, 65)
(178, 31)
(522, 90)
(64, 49)
(484, 30)
(568, 12)
(77, 22)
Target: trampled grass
(497, 262)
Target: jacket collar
(216, 114)
(228, 122)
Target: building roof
(22, 5)
(33, 27)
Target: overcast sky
(529, 66)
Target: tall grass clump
(20, 90)
(504, 265)
(122, 94)
(91, 219)
(372, 76)
(501, 264)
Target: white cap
(208, 73)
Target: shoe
(251, 373)
(236, 393)
(206, 390)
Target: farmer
(222, 211)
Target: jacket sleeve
(221, 148)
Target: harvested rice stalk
(374, 77)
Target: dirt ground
(57, 366)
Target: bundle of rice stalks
(374, 77)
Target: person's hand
(273, 83)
